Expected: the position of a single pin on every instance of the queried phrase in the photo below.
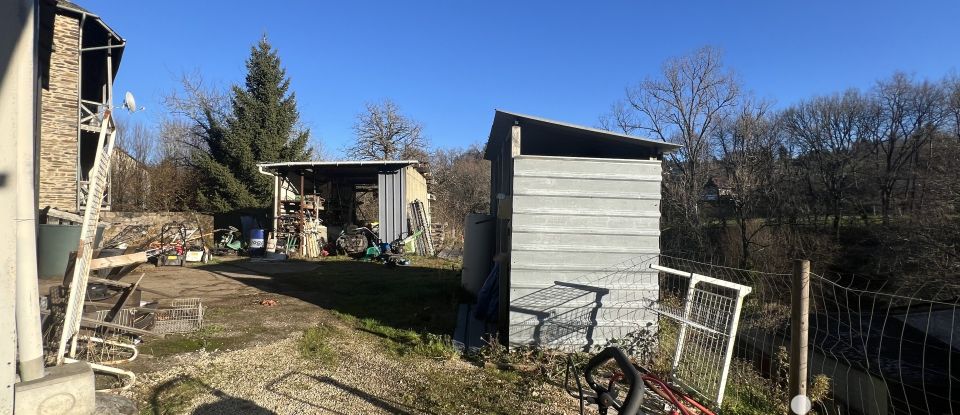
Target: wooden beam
(67, 216)
(123, 300)
(118, 261)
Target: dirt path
(250, 359)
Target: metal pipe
(15, 22)
(92, 48)
(24, 74)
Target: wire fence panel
(885, 352)
(872, 349)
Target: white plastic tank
(477, 250)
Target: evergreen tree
(263, 126)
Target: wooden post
(799, 326)
(276, 206)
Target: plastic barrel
(256, 242)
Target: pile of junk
(301, 231)
(363, 243)
(99, 312)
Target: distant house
(79, 59)
(129, 182)
(716, 189)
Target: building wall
(58, 119)
(392, 212)
(417, 189)
(574, 220)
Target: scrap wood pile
(300, 230)
(313, 239)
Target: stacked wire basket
(182, 315)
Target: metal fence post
(799, 326)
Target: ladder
(99, 179)
(425, 240)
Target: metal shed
(570, 201)
(397, 183)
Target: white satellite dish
(130, 103)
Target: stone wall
(155, 221)
(59, 115)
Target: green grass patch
(315, 344)
(422, 297)
(173, 397)
(403, 342)
(490, 391)
(208, 338)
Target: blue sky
(449, 64)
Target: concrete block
(67, 389)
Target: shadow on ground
(422, 297)
(298, 379)
(175, 395)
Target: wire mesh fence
(872, 349)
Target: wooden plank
(123, 300)
(67, 216)
(118, 261)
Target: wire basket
(184, 315)
(125, 317)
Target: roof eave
(661, 146)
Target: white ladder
(99, 178)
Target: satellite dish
(130, 103)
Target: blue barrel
(257, 245)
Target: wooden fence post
(799, 326)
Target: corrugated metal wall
(392, 209)
(572, 219)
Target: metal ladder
(420, 223)
(99, 179)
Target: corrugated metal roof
(503, 120)
(343, 163)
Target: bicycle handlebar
(634, 398)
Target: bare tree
(198, 112)
(952, 90)
(747, 146)
(910, 113)
(461, 184)
(826, 130)
(130, 169)
(383, 133)
(685, 104)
